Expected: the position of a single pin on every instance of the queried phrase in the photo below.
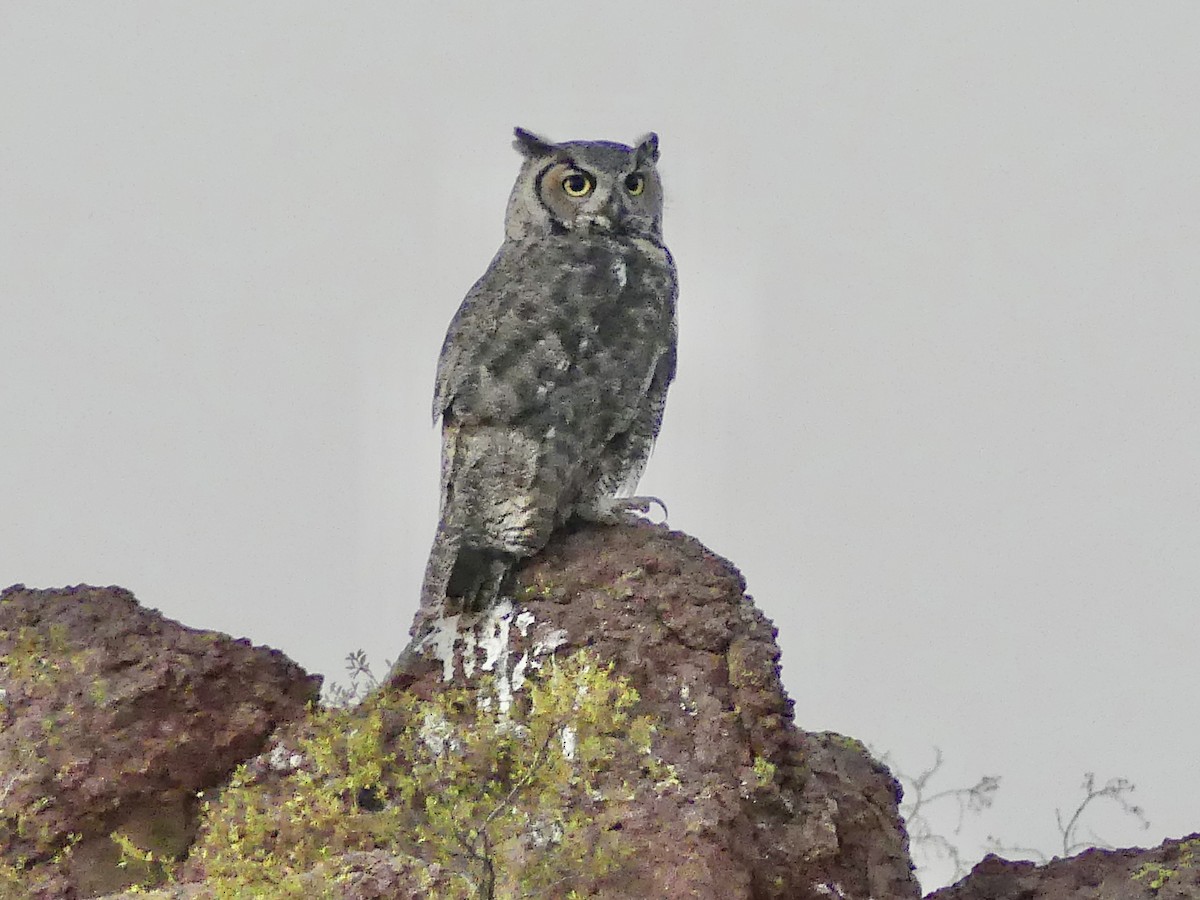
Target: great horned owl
(554, 371)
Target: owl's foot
(621, 510)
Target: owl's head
(585, 186)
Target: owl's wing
(468, 335)
(448, 374)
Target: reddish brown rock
(1170, 871)
(112, 718)
(753, 809)
(763, 810)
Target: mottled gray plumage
(554, 371)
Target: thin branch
(526, 779)
(1114, 789)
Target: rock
(112, 719)
(1170, 871)
(737, 803)
(374, 875)
(762, 810)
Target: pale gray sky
(939, 384)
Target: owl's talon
(643, 504)
(621, 510)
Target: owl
(554, 372)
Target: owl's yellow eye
(577, 184)
(635, 183)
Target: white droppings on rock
(518, 672)
(280, 760)
(441, 641)
(545, 834)
(492, 636)
(619, 271)
(685, 699)
(483, 642)
(834, 890)
(436, 733)
(468, 652)
(524, 620)
(549, 642)
(568, 738)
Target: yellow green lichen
(764, 771)
(1157, 875)
(542, 588)
(848, 743)
(35, 657)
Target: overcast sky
(939, 381)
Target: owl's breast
(611, 320)
(571, 334)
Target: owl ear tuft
(647, 149)
(530, 145)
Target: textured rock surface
(760, 809)
(375, 875)
(112, 718)
(1170, 871)
(676, 621)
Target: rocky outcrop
(1170, 871)
(762, 809)
(112, 719)
(115, 719)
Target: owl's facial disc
(577, 198)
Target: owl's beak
(610, 216)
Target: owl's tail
(478, 578)
(467, 578)
(500, 502)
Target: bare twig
(362, 681)
(1115, 789)
(918, 800)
